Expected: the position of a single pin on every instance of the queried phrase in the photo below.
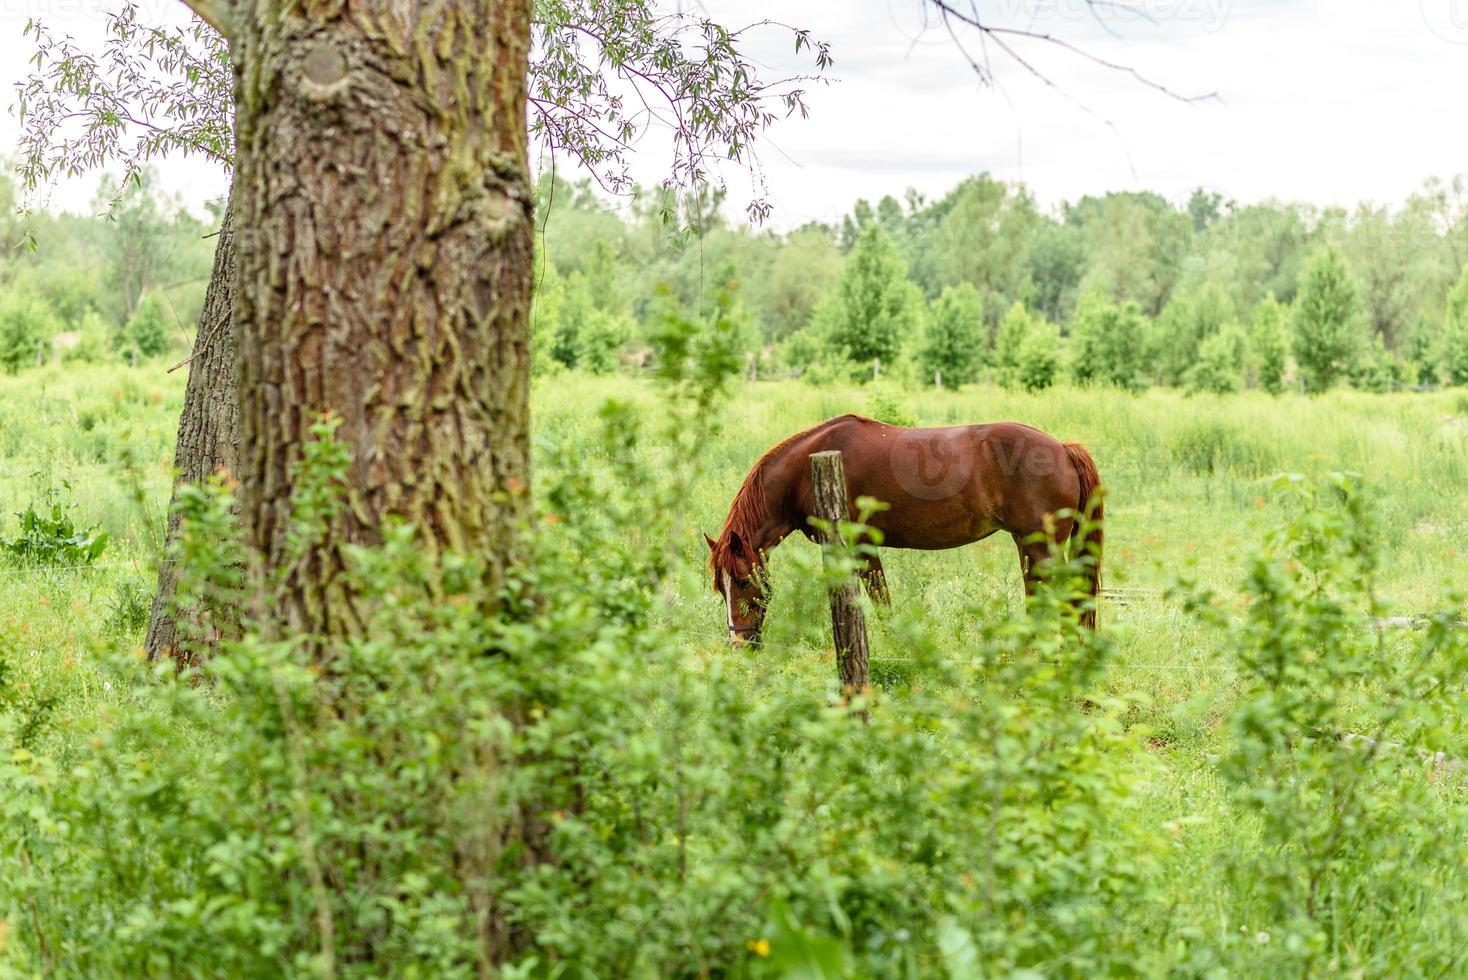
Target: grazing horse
(944, 488)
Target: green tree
(1188, 320)
(1009, 340)
(142, 245)
(592, 322)
(1037, 364)
(876, 306)
(806, 268)
(1454, 343)
(981, 233)
(547, 313)
(1133, 241)
(26, 323)
(1108, 341)
(146, 332)
(1057, 263)
(953, 341)
(1378, 369)
(1328, 321)
(1219, 364)
(1269, 343)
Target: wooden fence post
(848, 622)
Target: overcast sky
(1327, 101)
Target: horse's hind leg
(1031, 553)
(875, 580)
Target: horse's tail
(1090, 511)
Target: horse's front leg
(875, 580)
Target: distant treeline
(1127, 289)
(126, 282)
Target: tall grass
(1189, 497)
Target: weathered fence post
(848, 622)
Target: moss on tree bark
(384, 244)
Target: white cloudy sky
(1329, 101)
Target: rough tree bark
(384, 239)
(208, 427)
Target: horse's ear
(736, 545)
(709, 540)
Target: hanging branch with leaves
(602, 76)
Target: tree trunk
(208, 427)
(385, 265)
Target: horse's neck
(779, 521)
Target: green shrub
(49, 538)
(1108, 342)
(953, 339)
(26, 324)
(1269, 344)
(1333, 753)
(146, 332)
(1037, 362)
(886, 405)
(543, 777)
(1453, 352)
(1220, 363)
(1329, 322)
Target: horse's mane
(751, 507)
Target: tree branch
(972, 18)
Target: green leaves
(50, 539)
(605, 72)
(1333, 736)
(876, 306)
(954, 338)
(1329, 326)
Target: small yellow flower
(759, 947)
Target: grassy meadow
(1189, 498)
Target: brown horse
(944, 488)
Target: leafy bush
(1454, 344)
(49, 538)
(1108, 342)
(26, 323)
(146, 332)
(1220, 363)
(875, 307)
(954, 336)
(1037, 362)
(541, 777)
(1010, 334)
(1378, 369)
(129, 608)
(1335, 752)
(885, 405)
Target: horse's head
(738, 575)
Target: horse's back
(949, 486)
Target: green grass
(1188, 497)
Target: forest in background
(125, 282)
(1128, 289)
(1125, 289)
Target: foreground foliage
(576, 776)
